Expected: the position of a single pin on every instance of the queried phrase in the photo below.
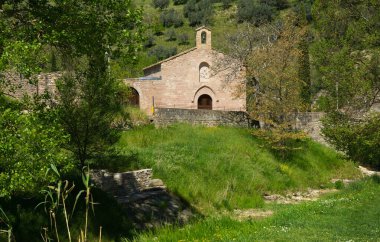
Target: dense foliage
(161, 52)
(199, 12)
(346, 55)
(254, 12)
(171, 18)
(86, 36)
(179, 2)
(360, 140)
(29, 145)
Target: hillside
(158, 43)
(221, 168)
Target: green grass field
(350, 215)
(217, 170)
(221, 168)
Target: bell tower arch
(203, 38)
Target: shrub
(254, 12)
(149, 42)
(171, 18)
(161, 52)
(161, 4)
(359, 140)
(171, 35)
(278, 4)
(183, 39)
(198, 12)
(179, 2)
(226, 4)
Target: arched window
(134, 98)
(204, 72)
(203, 37)
(205, 102)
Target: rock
(367, 172)
(156, 183)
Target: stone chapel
(188, 81)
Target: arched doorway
(134, 98)
(205, 102)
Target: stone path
(297, 197)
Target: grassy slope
(351, 215)
(225, 168)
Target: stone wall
(310, 122)
(167, 116)
(146, 201)
(18, 86)
(125, 184)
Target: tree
(161, 52)
(29, 144)
(88, 36)
(171, 35)
(345, 54)
(270, 56)
(360, 141)
(226, 4)
(254, 12)
(161, 4)
(276, 86)
(198, 12)
(179, 2)
(183, 39)
(171, 18)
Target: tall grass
(225, 168)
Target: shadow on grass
(116, 162)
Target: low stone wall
(167, 116)
(145, 200)
(125, 184)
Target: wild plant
(5, 220)
(55, 202)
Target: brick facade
(179, 81)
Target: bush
(359, 140)
(171, 18)
(179, 2)
(171, 35)
(161, 4)
(183, 39)
(254, 12)
(149, 42)
(198, 12)
(226, 4)
(278, 4)
(161, 52)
